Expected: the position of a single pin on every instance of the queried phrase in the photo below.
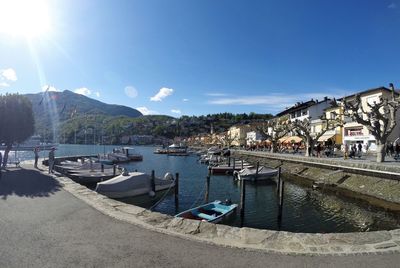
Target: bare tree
(304, 130)
(379, 118)
(273, 130)
(227, 139)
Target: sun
(27, 18)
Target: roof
(368, 91)
(302, 105)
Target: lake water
(304, 210)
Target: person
(346, 151)
(397, 149)
(319, 149)
(36, 152)
(51, 160)
(359, 149)
(1, 159)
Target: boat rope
(165, 195)
(198, 198)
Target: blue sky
(198, 57)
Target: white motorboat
(250, 173)
(133, 184)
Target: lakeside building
(354, 132)
(237, 134)
(253, 137)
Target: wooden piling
(257, 166)
(229, 161)
(242, 198)
(114, 169)
(207, 188)
(91, 165)
(102, 168)
(176, 189)
(242, 163)
(153, 181)
(278, 180)
(234, 164)
(281, 194)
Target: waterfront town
(199, 133)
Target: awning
(283, 139)
(293, 139)
(326, 137)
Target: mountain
(61, 106)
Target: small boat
(264, 173)
(124, 154)
(228, 169)
(131, 184)
(212, 212)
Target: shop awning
(283, 139)
(326, 137)
(293, 139)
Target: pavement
(42, 225)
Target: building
(354, 132)
(312, 110)
(237, 135)
(253, 137)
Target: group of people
(353, 150)
(393, 150)
(51, 158)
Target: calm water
(304, 210)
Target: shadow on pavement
(27, 183)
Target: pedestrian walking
(359, 149)
(397, 150)
(51, 160)
(319, 149)
(36, 152)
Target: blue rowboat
(212, 212)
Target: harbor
(304, 209)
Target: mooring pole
(114, 169)
(91, 165)
(242, 163)
(176, 189)
(281, 192)
(102, 168)
(153, 181)
(207, 188)
(257, 166)
(242, 198)
(278, 180)
(229, 161)
(234, 164)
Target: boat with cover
(131, 184)
(212, 212)
(264, 173)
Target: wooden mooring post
(242, 198)
(234, 164)
(281, 187)
(242, 163)
(278, 180)
(257, 166)
(102, 168)
(206, 196)
(176, 189)
(153, 181)
(114, 169)
(229, 161)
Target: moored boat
(263, 173)
(212, 212)
(132, 184)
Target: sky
(190, 57)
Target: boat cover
(262, 170)
(121, 183)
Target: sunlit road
(41, 225)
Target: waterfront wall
(376, 184)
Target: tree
(16, 121)
(303, 129)
(379, 118)
(227, 139)
(273, 130)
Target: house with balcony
(354, 132)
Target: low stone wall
(336, 176)
(265, 240)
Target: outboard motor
(228, 202)
(125, 172)
(168, 176)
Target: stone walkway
(42, 225)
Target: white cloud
(97, 94)
(392, 6)
(176, 111)
(185, 100)
(4, 84)
(131, 91)
(163, 93)
(83, 91)
(146, 111)
(216, 94)
(49, 88)
(8, 74)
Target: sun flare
(28, 18)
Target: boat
(132, 184)
(30, 144)
(124, 154)
(264, 173)
(229, 168)
(212, 212)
